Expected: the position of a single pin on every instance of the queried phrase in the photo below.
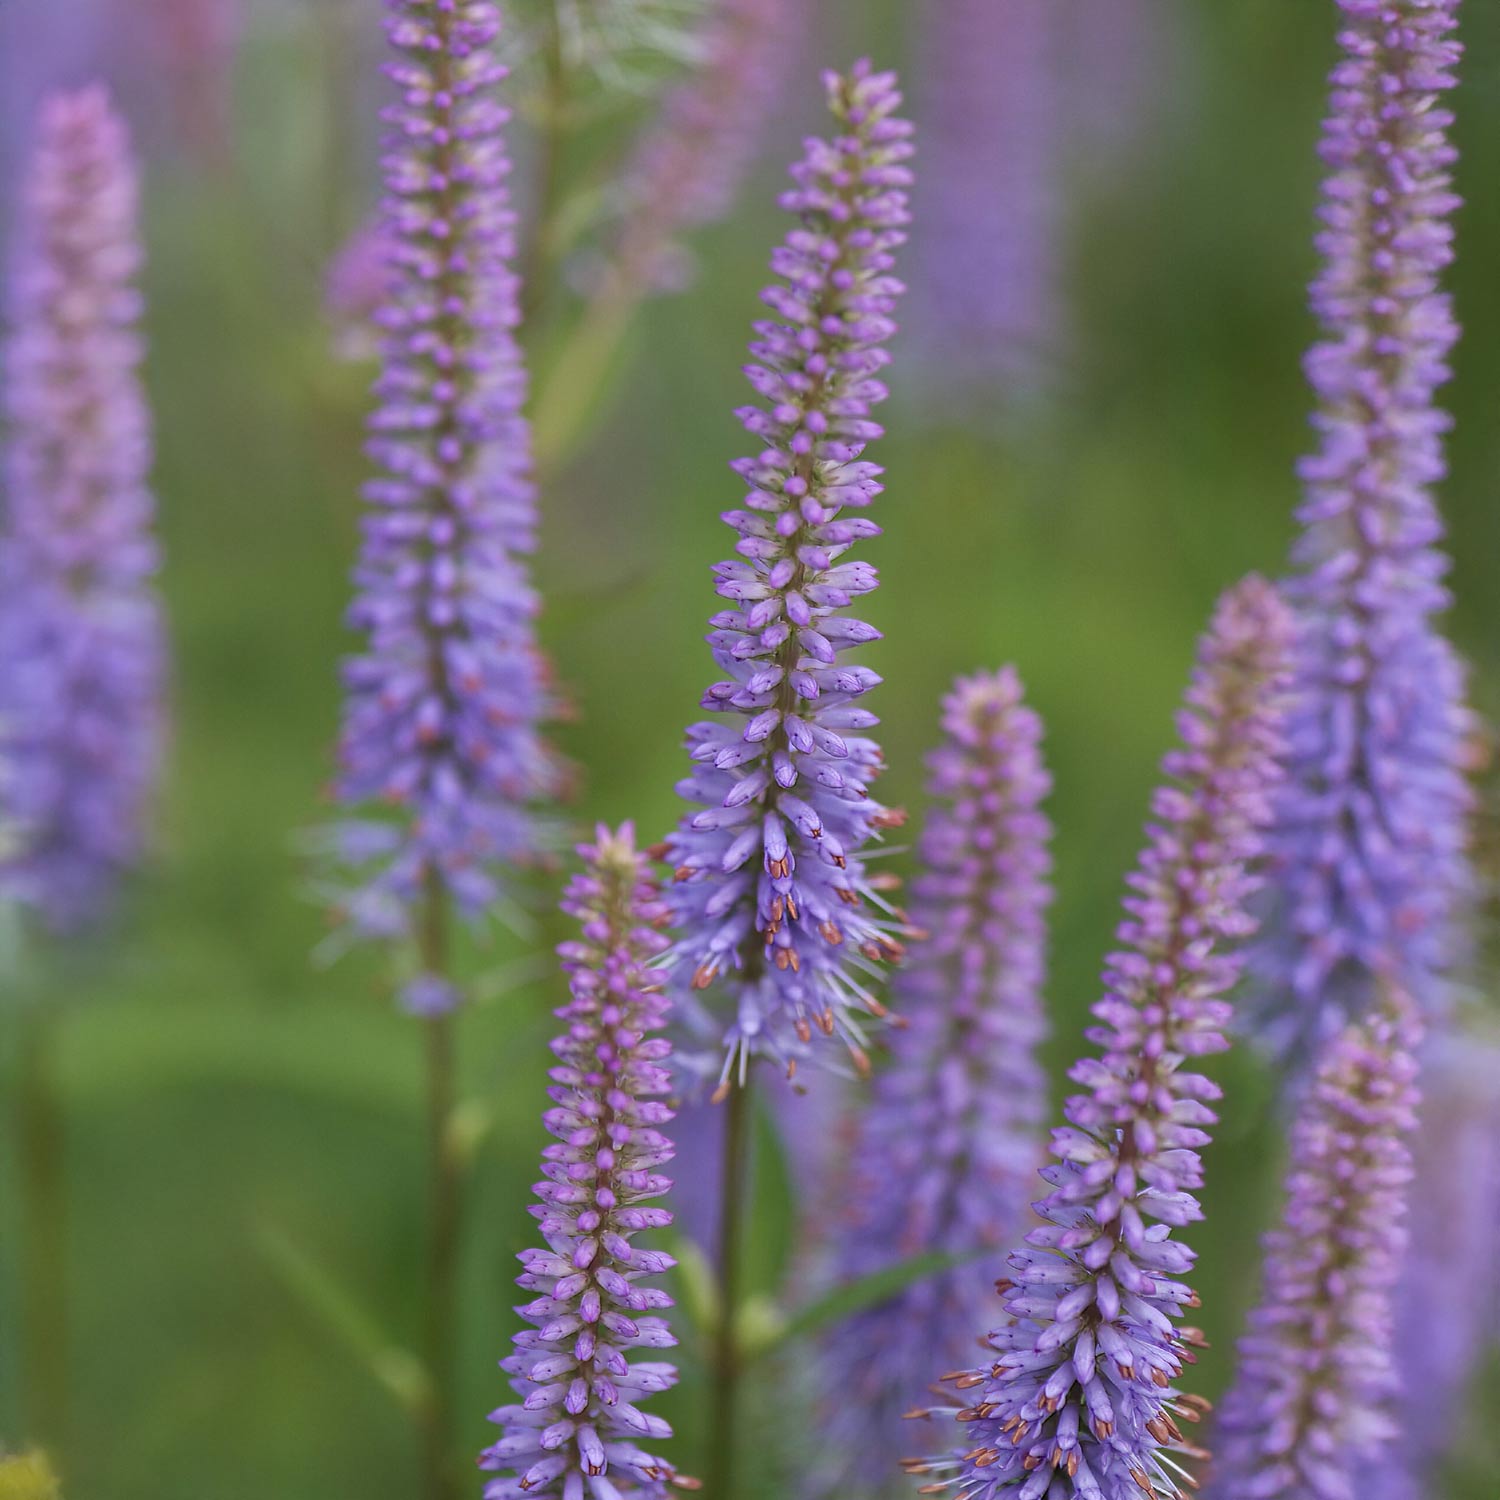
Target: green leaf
(397, 1370)
(867, 1291)
(28, 1477)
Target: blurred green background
(226, 1095)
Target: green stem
(540, 248)
(726, 1364)
(571, 388)
(44, 1332)
(444, 1210)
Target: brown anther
(1158, 1429)
(657, 851)
(1004, 1285)
(872, 951)
(840, 862)
(778, 908)
(1161, 1378)
(831, 934)
(783, 957)
(889, 817)
(884, 880)
(779, 869)
(825, 1022)
(911, 1416)
(684, 1482)
(1193, 1336)
(721, 1093)
(1031, 1461)
(1073, 1463)
(791, 907)
(703, 975)
(1102, 1429)
(1143, 1479)
(966, 1381)
(876, 1009)
(1057, 1458)
(681, 873)
(793, 960)
(988, 1457)
(791, 1069)
(861, 1060)
(1127, 1372)
(1193, 1300)
(803, 1030)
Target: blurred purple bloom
(575, 1432)
(358, 284)
(82, 656)
(1309, 1409)
(1369, 847)
(1448, 1297)
(771, 897)
(1081, 1400)
(443, 705)
(690, 164)
(987, 307)
(948, 1150)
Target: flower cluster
(1081, 1400)
(771, 887)
(987, 306)
(949, 1145)
(1307, 1413)
(1448, 1299)
(442, 706)
(575, 1431)
(82, 658)
(1369, 845)
(688, 166)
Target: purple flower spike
(82, 656)
(987, 300)
(1448, 1299)
(771, 894)
(443, 705)
(949, 1147)
(1308, 1410)
(1369, 846)
(576, 1431)
(1081, 1399)
(691, 162)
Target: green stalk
(726, 1364)
(44, 1316)
(444, 1214)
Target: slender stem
(554, 125)
(726, 1364)
(444, 1208)
(44, 1338)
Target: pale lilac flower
(443, 705)
(1369, 845)
(772, 901)
(988, 311)
(946, 1153)
(577, 1428)
(690, 163)
(1448, 1298)
(82, 656)
(1310, 1409)
(1081, 1401)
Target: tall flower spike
(1448, 1298)
(691, 161)
(771, 900)
(1081, 1399)
(987, 306)
(1369, 845)
(1308, 1411)
(575, 1432)
(948, 1149)
(442, 707)
(81, 640)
